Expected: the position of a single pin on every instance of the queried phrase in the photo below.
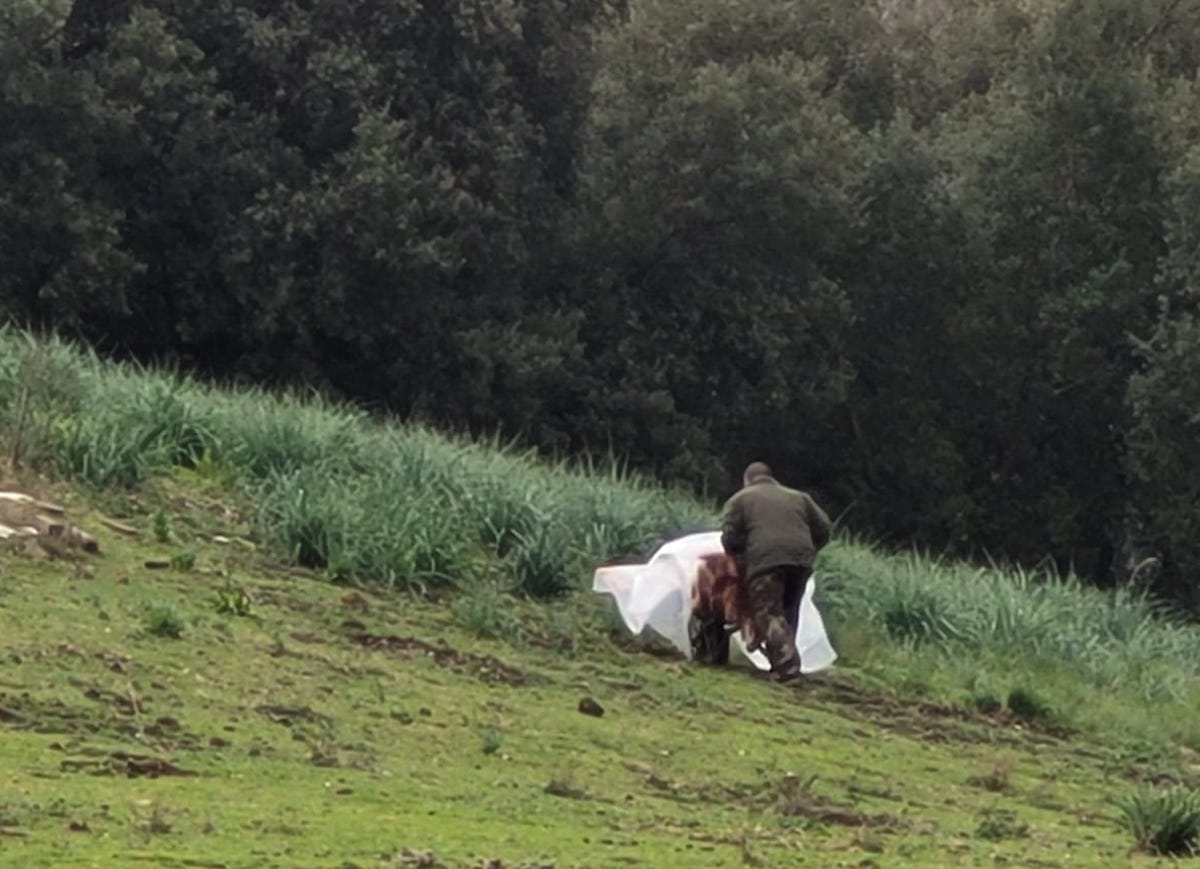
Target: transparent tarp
(658, 596)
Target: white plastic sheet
(658, 595)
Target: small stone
(588, 706)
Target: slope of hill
(230, 710)
(314, 638)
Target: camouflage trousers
(775, 607)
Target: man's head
(756, 471)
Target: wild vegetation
(937, 261)
(429, 308)
(403, 508)
(332, 726)
(358, 500)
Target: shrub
(492, 740)
(163, 620)
(232, 600)
(161, 523)
(1026, 705)
(1000, 824)
(183, 561)
(1163, 822)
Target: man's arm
(733, 528)
(818, 523)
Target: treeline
(938, 261)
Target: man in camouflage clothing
(774, 533)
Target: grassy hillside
(370, 638)
(296, 723)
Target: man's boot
(781, 650)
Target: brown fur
(719, 592)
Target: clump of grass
(158, 822)
(492, 740)
(541, 562)
(914, 614)
(794, 795)
(40, 386)
(164, 620)
(1001, 824)
(486, 612)
(1027, 705)
(232, 600)
(184, 561)
(997, 779)
(1165, 822)
(564, 786)
(161, 525)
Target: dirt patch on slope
(483, 667)
(925, 720)
(126, 764)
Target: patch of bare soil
(124, 763)
(290, 715)
(121, 715)
(794, 797)
(790, 796)
(931, 722)
(25, 712)
(483, 667)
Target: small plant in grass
(157, 823)
(564, 786)
(161, 523)
(232, 600)
(997, 779)
(211, 468)
(492, 740)
(1000, 824)
(565, 628)
(184, 561)
(1165, 822)
(484, 611)
(164, 620)
(793, 795)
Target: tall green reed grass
(1115, 639)
(338, 490)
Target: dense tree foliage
(938, 261)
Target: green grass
(402, 507)
(266, 507)
(282, 740)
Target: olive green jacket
(767, 525)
